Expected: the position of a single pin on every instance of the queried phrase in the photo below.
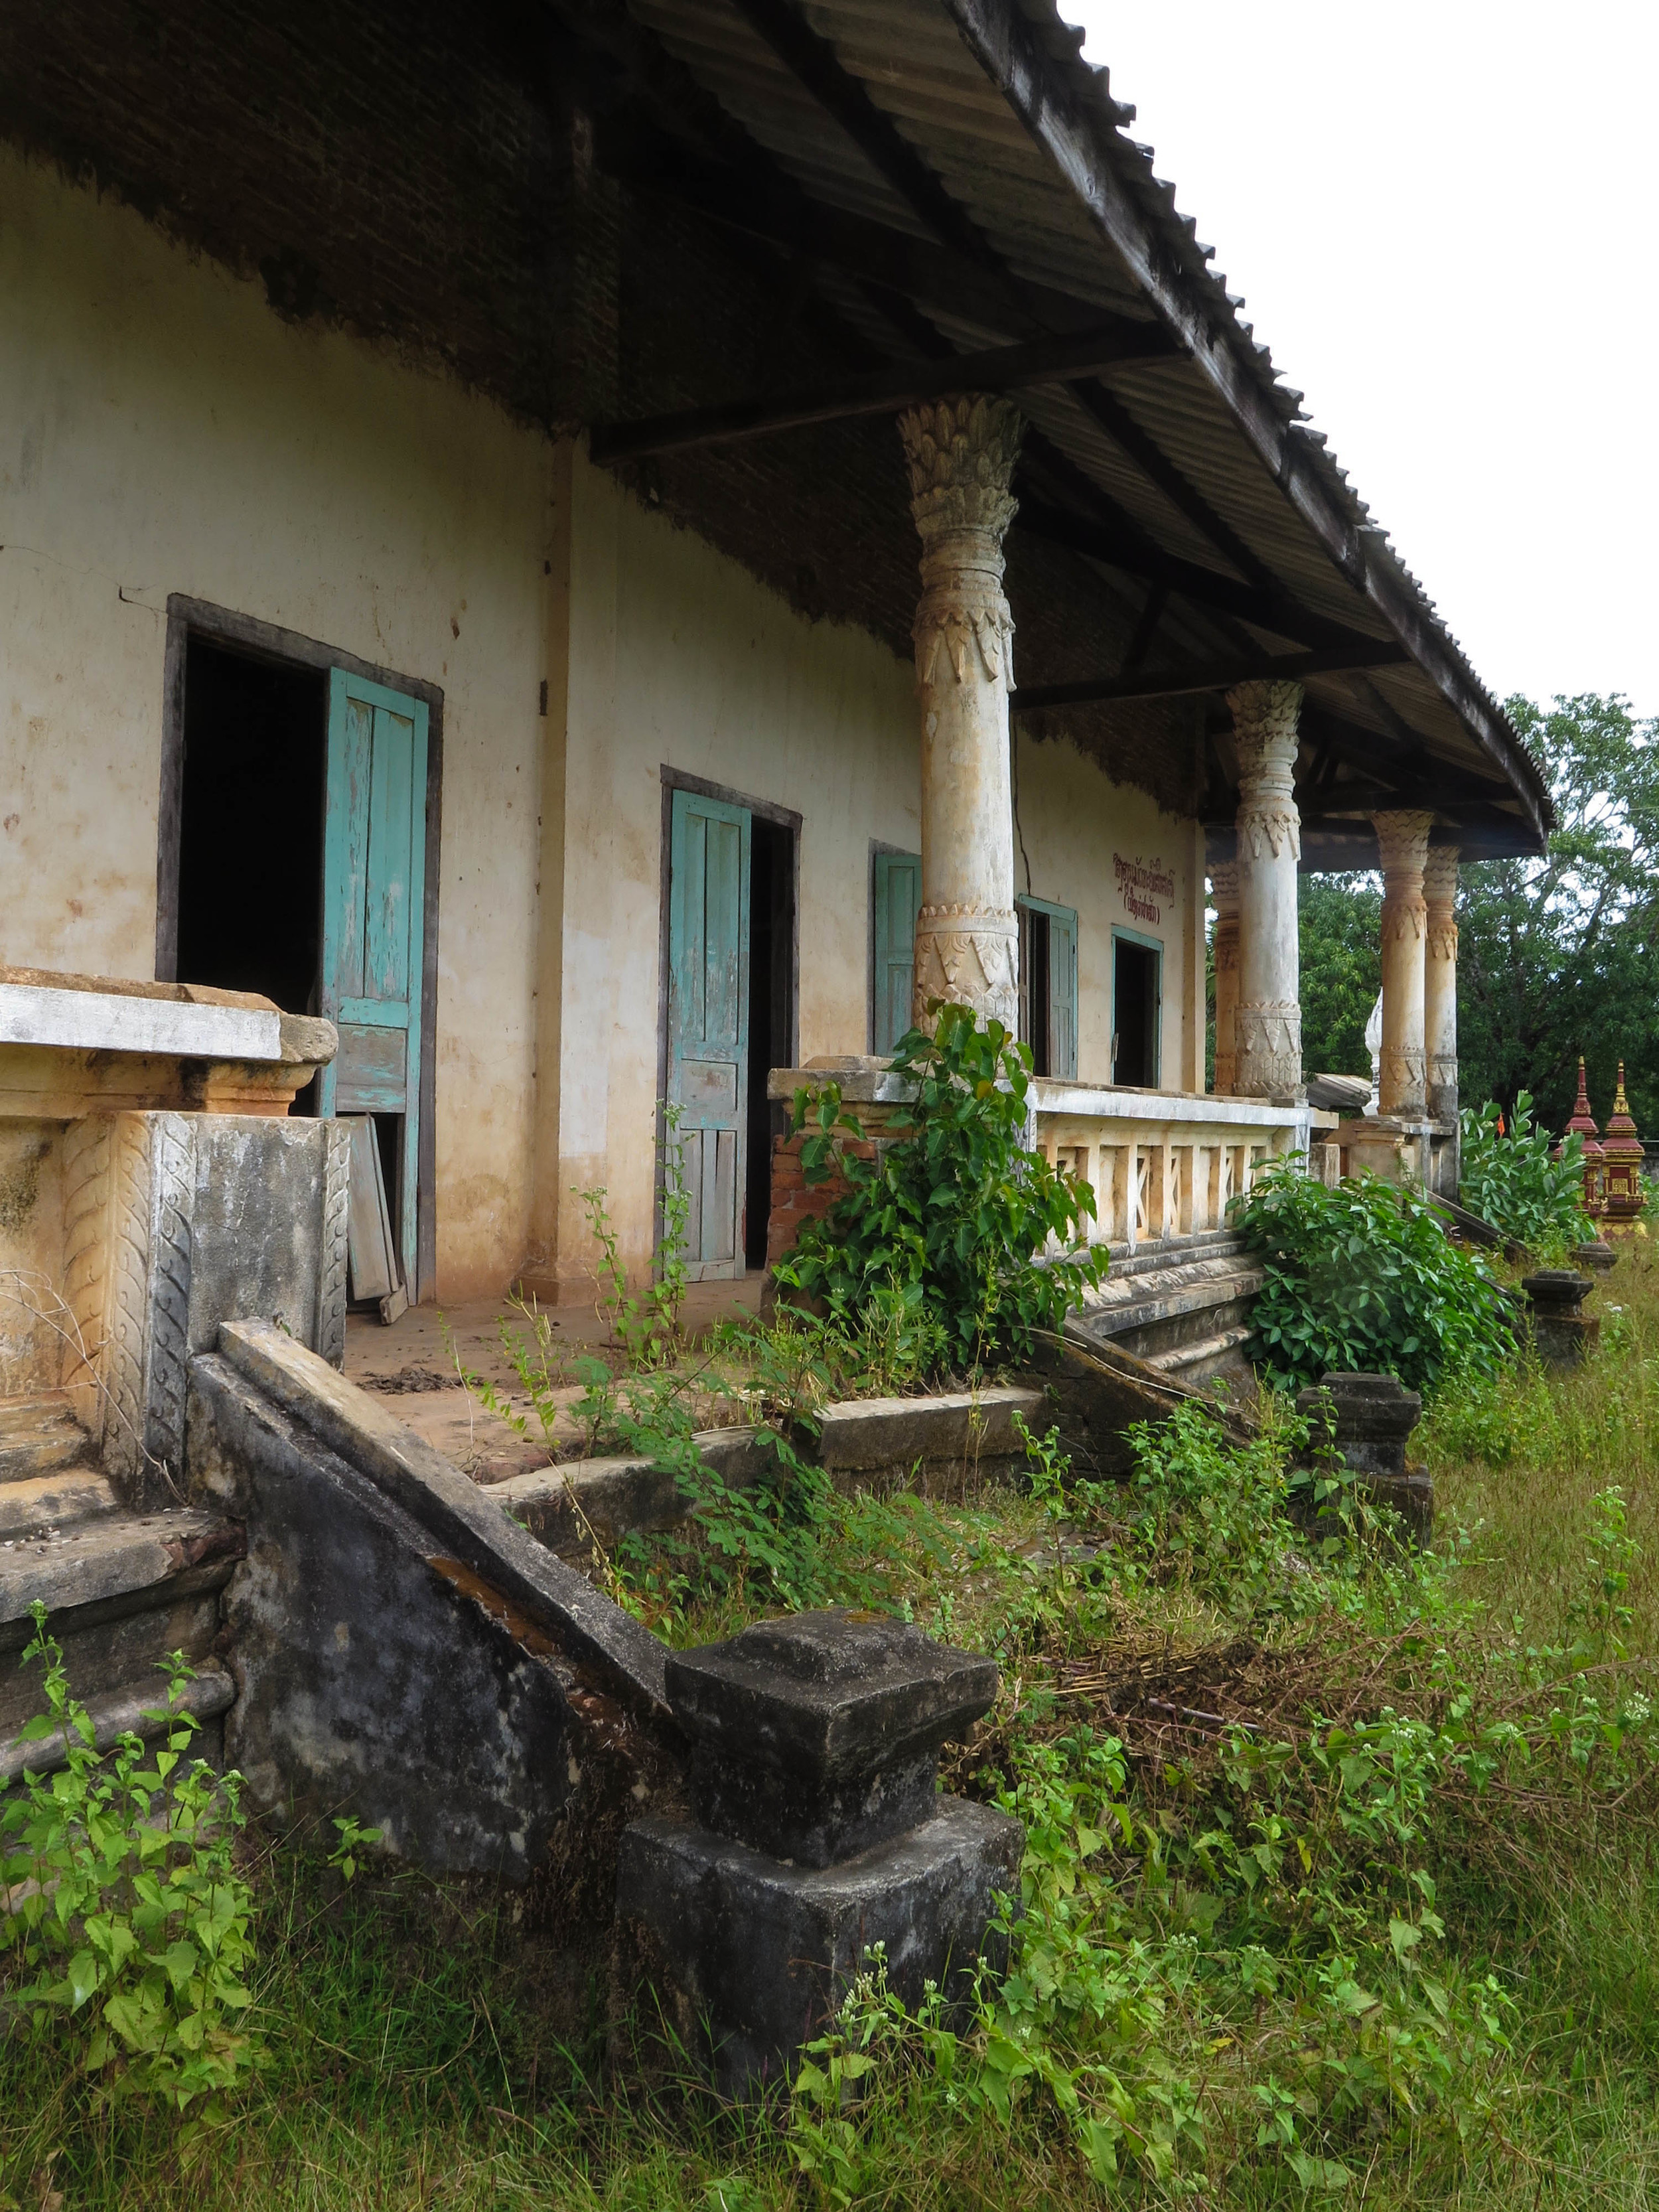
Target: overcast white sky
(1443, 219)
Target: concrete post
(961, 456)
(1267, 1016)
(1440, 981)
(1403, 842)
(1224, 890)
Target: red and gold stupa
(1621, 1162)
(1582, 1124)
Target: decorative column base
(1269, 1038)
(968, 957)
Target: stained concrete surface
(414, 1365)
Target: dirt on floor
(418, 1362)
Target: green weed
(126, 1925)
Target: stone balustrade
(1166, 1163)
(1160, 1163)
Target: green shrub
(1508, 1178)
(122, 1903)
(946, 1224)
(1362, 1280)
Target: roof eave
(1088, 151)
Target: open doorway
(298, 838)
(771, 1013)
(251, 826)
(1137, 1008)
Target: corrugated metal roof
(915, 63)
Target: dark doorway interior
(1034, 1006)
(771, 1010)
(1134, 1014)
(251, 829)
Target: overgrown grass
(1225, 1944)
(1521, 1458)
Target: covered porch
(1129, 547)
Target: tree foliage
(1342, 922)
(1556, 955)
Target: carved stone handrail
(71, 1045)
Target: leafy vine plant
(123, 1904)
(950, 1210)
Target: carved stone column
(1267, 1018)
(1224, 890)
(1403, 842)
(961, 455)
(1440, 981)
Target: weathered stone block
(566, 1507)
(173, 1223)
(1373, 1416)
(369, 1683)
(1564, 1336)
(961, 1425)
(760, 1953)
(1370, 1419)
(817, 1736)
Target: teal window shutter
(1047, 984)
(1062, 992)
(898, 901)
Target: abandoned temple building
(558, 557)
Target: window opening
(1048, 985)
(1137, 1005)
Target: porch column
(1224, 890)
(1403, 842)
(1267, 1014)
(961, 456)
(1440, 981)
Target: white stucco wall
(679, 659)
(1076, 827)
(160, 430)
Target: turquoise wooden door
(897, 902)
(708, 1020)
(373, 904)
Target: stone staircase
(1183, 1305)
(121, 1588)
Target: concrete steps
(50, 1478)
(121, 1589)
(1183, 1305)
